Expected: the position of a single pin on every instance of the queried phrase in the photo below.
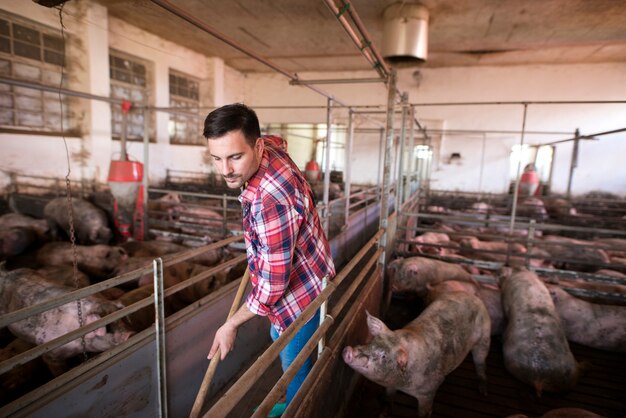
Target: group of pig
(35, 267)
(603, 255)
(534, 320)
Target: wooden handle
(206, 382)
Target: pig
(23, 378)
(573, 254)
(492, 298)
(143, 318)
(64, 276)
(482, 249)
(14, 241)
(429, 238)
(98, 261)
(415, 273)
(532, 207)
(25, 287)
(488, 294)
(559, 208)
(615, 247)
(590, 324)
(159, 248)
(417, 358)
(90, 222)
(16, 220)
(535, 348)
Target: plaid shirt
(287, 251)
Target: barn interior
(484, 136)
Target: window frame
(147, 89)
(50, 120)
(177, 100)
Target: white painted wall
(580, 82)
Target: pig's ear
(375, 325)
(402, 358)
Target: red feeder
(312, 171)
(125, 179)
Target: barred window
(31, 52)
(184, 128)
(129, 80)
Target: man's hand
(224, 340)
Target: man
(288, 254)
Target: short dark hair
(232, 117)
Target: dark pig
(414, 274)
(15, 241)
(23, 378)
(417, 358)
(535, 348)
(16, 220)
(22, 288)
(98, 261)
(574, 254)
(90, 222)
(590, 324)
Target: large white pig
(25, 287)
(590, 324)
(535, 348)
(417, 358)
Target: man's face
(234, 159)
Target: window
(129, 80)
(31, 52)
(184, 93)
(538, 155)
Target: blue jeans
(291, 351)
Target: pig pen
(599, 280)
(133, 379)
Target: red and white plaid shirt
(287, 250)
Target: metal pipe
(411, 153)
(573, 163)
(526, 102)
(366, 36)
(400, 179)
(519, 166)
(482, 163)
(323, 308)
(159, 327)
(65, 92)
(384, 204)
(337, 81)
(362, 45)
(190, 18)
(327, 212)
(146, 168)
(592, 136)
(348, 171)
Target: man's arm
(225, 336)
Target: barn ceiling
(303, 35)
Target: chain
(79, 303)
(70, 209)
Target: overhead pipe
(231, 42)
(366, 36)
(539, 102)
(300, 82)
(363, 42)
(576, 137)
